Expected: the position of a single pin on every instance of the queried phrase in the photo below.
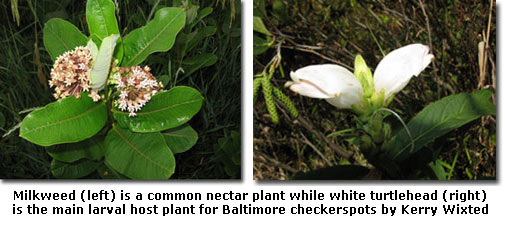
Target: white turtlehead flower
(342, 89)
(333, 83)
(395, 70)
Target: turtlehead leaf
(437, 170)
(61, 36)
(437, 119)
(100, 70)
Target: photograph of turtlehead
(374, 90)
(104, 89)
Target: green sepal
(364, 75)
(377, 100)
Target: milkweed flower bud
(70, 74)
(136, 86)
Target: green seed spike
(284, 99)
(256, 87)
(269, 99)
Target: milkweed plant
(367, 96)
(111, 115)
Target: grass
(316, 32)
(21, 88)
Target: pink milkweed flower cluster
(136, 86)
(71, 74)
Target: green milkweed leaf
(180, 139)
(68, 120)
(157, 35)
(139, 155)
(61, 36)
(91, 148)
(73, 170)
(101, 18)
(105, 172)
(165, 110)
(93, 48)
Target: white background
(495, 190)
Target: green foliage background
(317, 32)
(25, 67)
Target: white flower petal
(349, 96)
(326, 81)
(395, 70)
(308, 89)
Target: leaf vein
(152, 40)
(59, 38)
(65, 120)
(158, 110)
(103, 17)
(139, 152)
(442, 122)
